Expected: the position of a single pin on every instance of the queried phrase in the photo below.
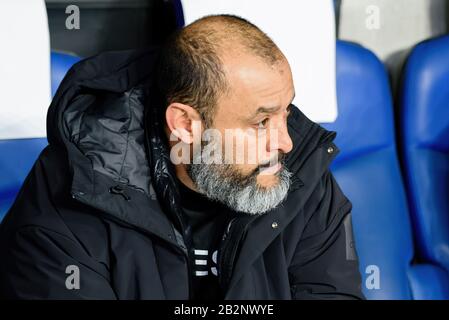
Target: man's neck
(181, 173)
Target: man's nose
(280, 140)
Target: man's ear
(181, 121)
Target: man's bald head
(228, 34)
(191, 65)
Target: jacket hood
(99, 109)
(105, 115)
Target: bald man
(182, 172)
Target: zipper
(221, 257)
(188, 258)
(229, 246)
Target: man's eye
(262, 124)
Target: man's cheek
(255, 152)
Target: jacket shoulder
(44, 204)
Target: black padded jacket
(101, 203)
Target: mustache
(279, 158)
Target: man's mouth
(270, 169)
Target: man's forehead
(258, 84)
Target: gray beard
(222, 183)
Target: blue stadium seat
(368, 171)
(18, 155)
(60, 64)
(424, 130)
(16, 161)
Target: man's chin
(254, 193)
(267, 181)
